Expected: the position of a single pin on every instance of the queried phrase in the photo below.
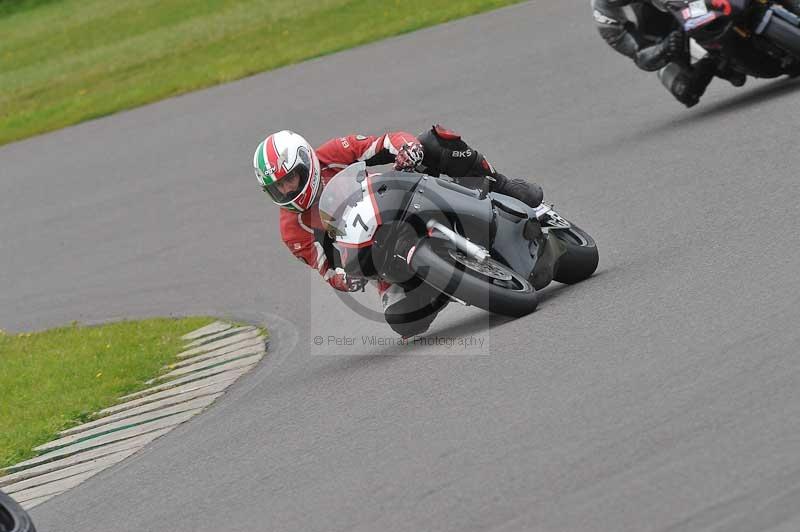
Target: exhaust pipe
(469, 248)
(782, 27)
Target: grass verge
(55, 379)
(65, 61)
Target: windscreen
(341, 194)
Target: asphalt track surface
(663, 394)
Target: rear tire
(490, 285)
(580, 259)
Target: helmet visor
(289, 187)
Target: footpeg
(549, 218)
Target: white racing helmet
(288, 170)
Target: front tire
(12, 517)
(581, 257)
(489, 285)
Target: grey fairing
(495, 222)
(510, 244)
(455, 206)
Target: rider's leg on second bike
(687, 83)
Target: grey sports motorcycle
(480, 248)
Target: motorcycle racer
(643, 31)
(293, 174)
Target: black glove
(656, 57)
(674, 45)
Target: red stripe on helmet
(272, 159)
(304, 199)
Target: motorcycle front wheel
(488, 285)
(12, 517)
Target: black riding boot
(525, 191)
(688, 83)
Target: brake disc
(487, 268)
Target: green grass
(64, 61)
(54, 379)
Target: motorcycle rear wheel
(488, 285)
(580, 259)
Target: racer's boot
(688, 83)
(446, 153)
(525, 191)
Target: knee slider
(677, 80)
(409, 329)
(409, 322)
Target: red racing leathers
(408, 309)
(298, 229)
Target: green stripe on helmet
(261, 160)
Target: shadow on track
(763, 94)
(774, 89)
(388, 354)
(556, 288)
(552, 291)
(476, 324)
